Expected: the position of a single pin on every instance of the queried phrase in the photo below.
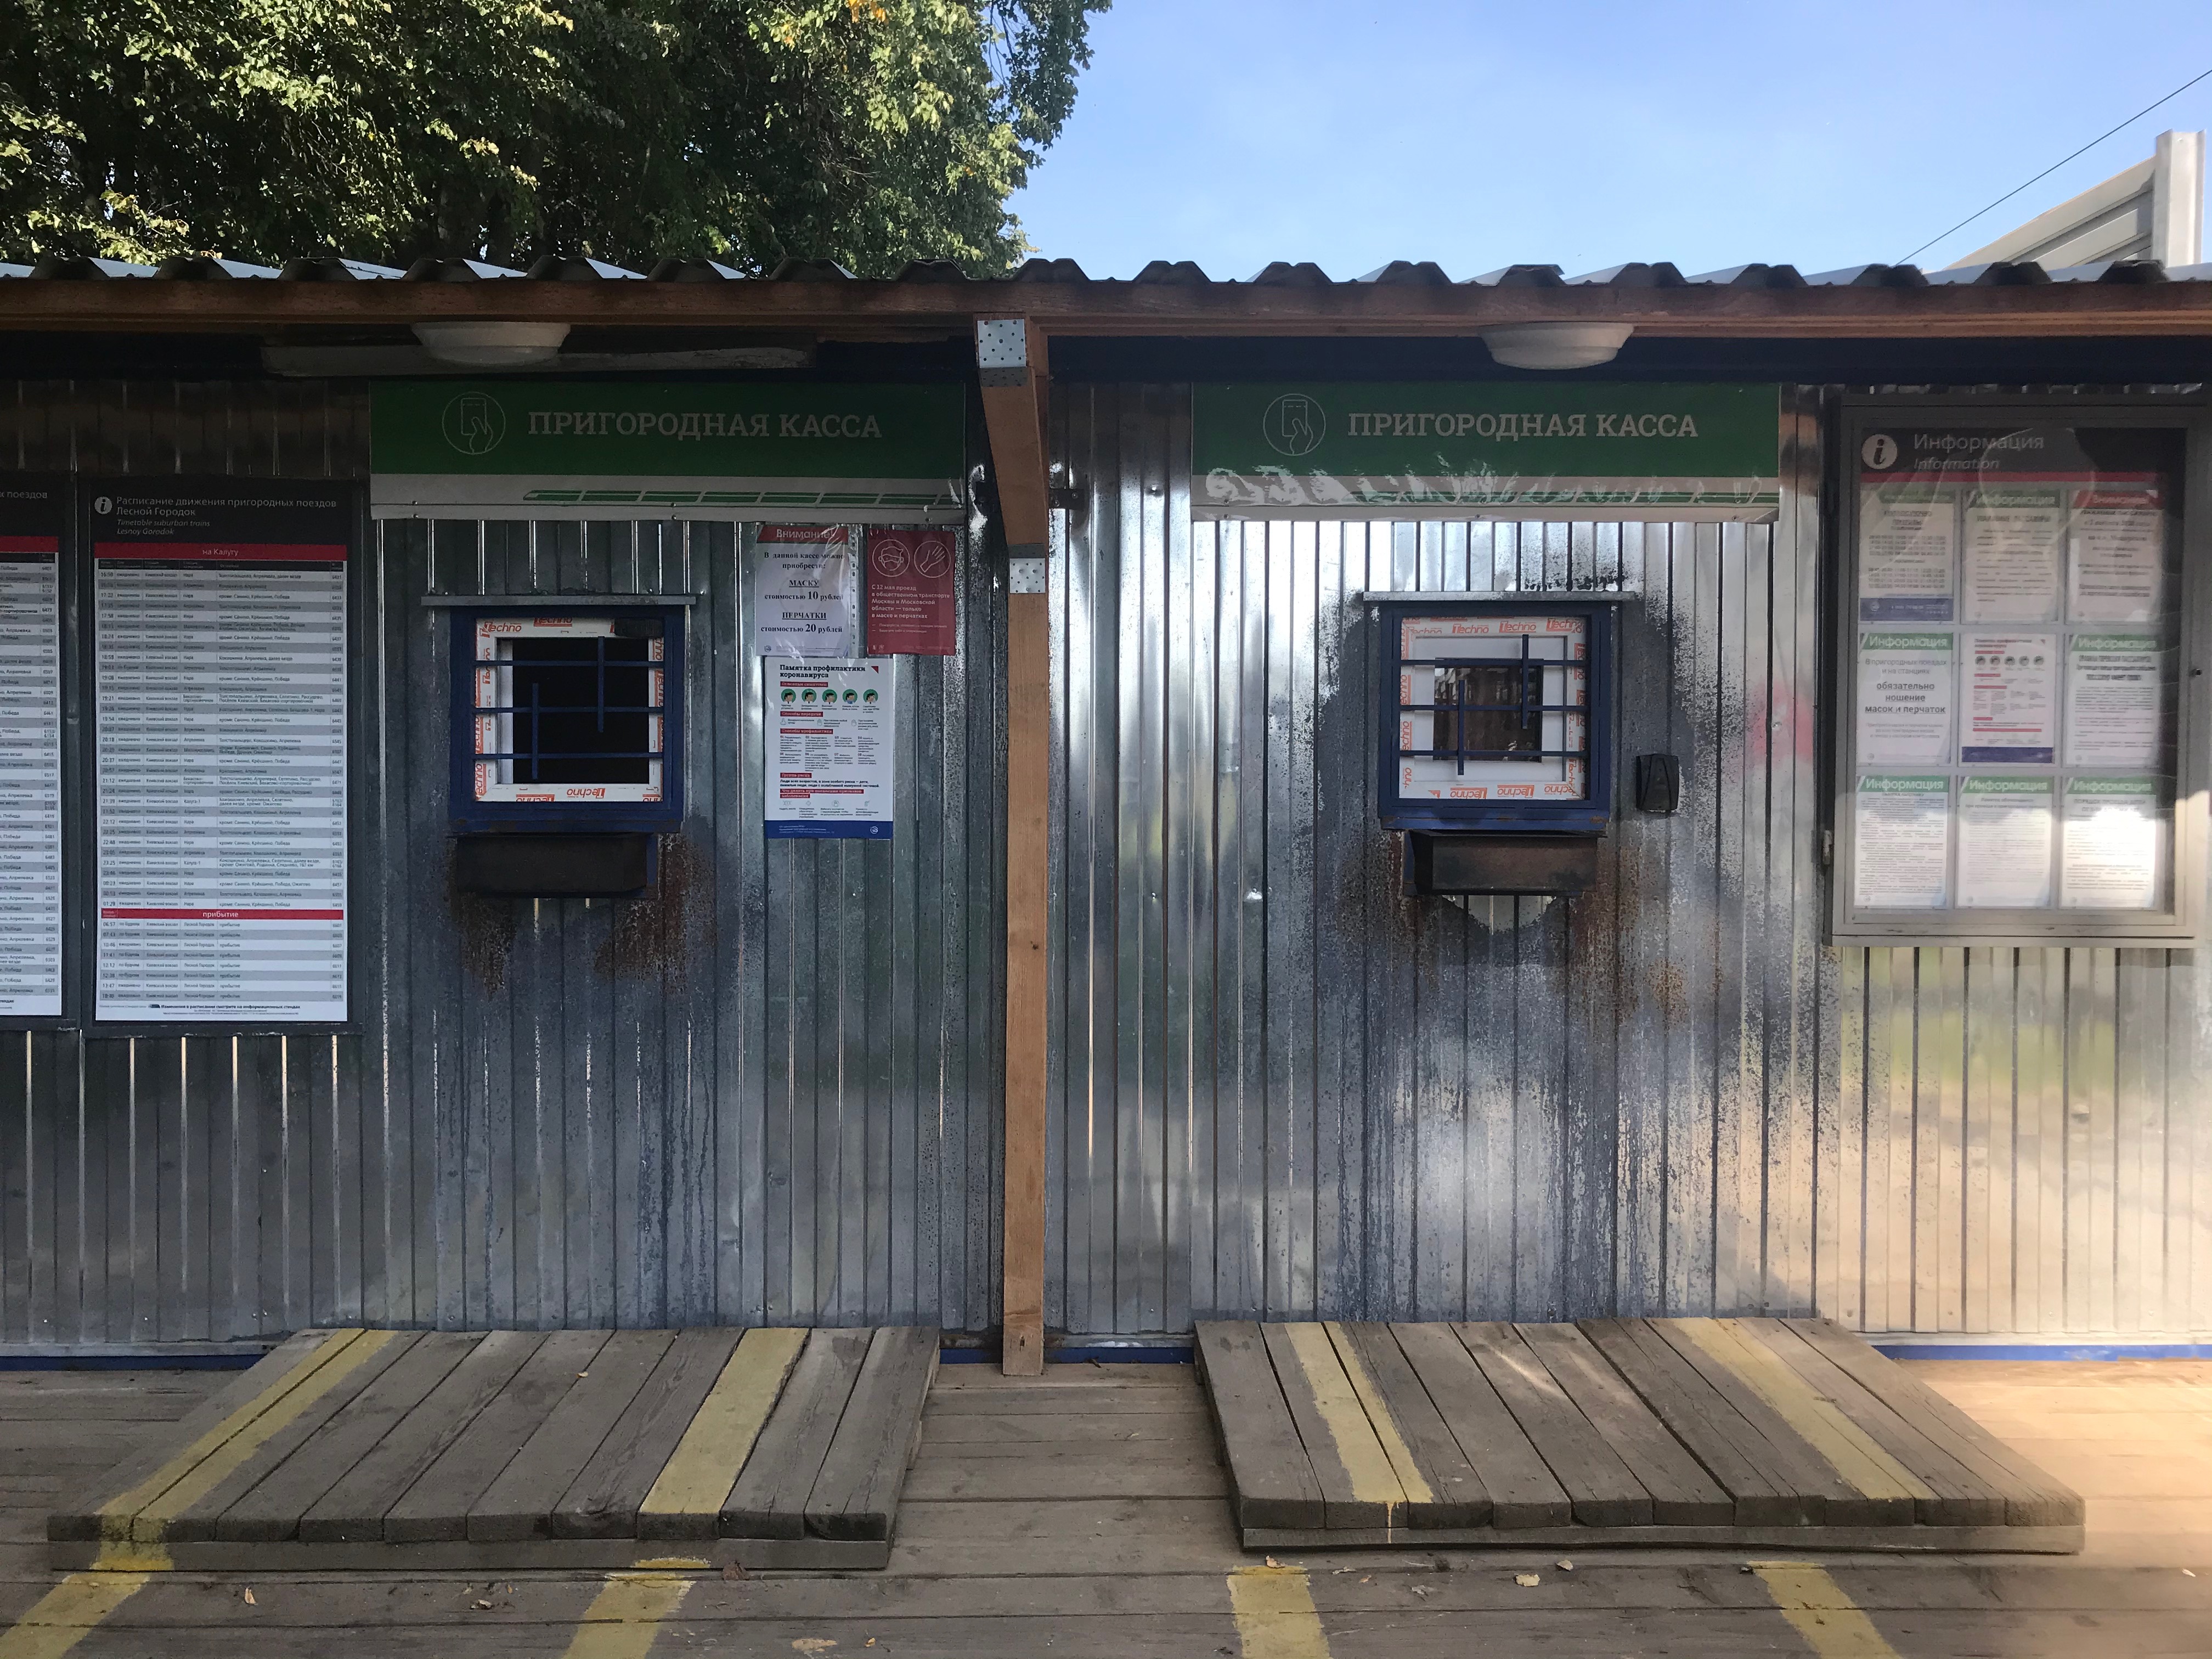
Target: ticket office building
(1717, 833)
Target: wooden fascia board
(2056, 309)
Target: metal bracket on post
(1026, 575)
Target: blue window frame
(1496, 714)
(567, 720)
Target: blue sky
(1585, 134)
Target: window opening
(570, 708)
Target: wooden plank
(1269, 1472)
(198, 1519)
(1604, 1490)
(435, 1509)
(251, 1387)
(769, 1498)
(603, 1501)
(1358, 1487)
(521, 1500)
(1523, 1492)
(1456, 1496)
(1794, 1460)
(1846, 1447)
(1029, 790)
(1732, 1451)
(353, 1509)
(273, 1509)
(686, 1498)
(857, 1493)
(1961, 1497)
(145, 1515)
(1682, 1492)
(2032, 1497)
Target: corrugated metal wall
(1282, 1087)
(771, 1094)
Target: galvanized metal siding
(1282, 1088)
(770, 1095)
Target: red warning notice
(908, 603)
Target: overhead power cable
(2054, 166)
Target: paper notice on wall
(2115, 570)
(30, 749)
(2115, 701)
(911, 605)
(1908, 553)
(1907, 682)
(1901, 843)
(2014, 538)
(2113, 841)
(803, 599)
(2005, 833)
(2012, 699)
(831, 744)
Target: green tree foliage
(867, 131)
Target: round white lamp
(1556, 345)
(492, 346)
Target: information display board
(31, 513)
(830, 748)
(219, 671)
(2012, 766)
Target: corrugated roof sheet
(1183, 273)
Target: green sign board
(1485, 449)
(551, 449)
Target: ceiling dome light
(1556, 345)
(493, 345)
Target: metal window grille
(589, 709)
(1495, 711)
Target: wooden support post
(1011, 364)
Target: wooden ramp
(1761, 1432)
(513, 1449)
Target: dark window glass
(583, 711)
(1483, 713)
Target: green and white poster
(1484, 449)
(549, 449)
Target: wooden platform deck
(512, 1449)
(1754, 1433)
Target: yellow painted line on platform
(1275, 1615)
(116, 1515)
(1856, 1456)
(1417, 1490)
(60, 1619)
(151, 1523)
(1815, 1605)
(1357, 1447)
(705, 1464)
(625, 1616)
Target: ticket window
(568, 735)
(1496, 740)
(2015, 757)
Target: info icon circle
(1879, 452)
(103, 505)
(474, 423)
(1294, 424)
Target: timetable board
(31, 513)
(220, 756)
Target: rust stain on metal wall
(483, 927)
(652, 937)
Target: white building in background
(2152, 210)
